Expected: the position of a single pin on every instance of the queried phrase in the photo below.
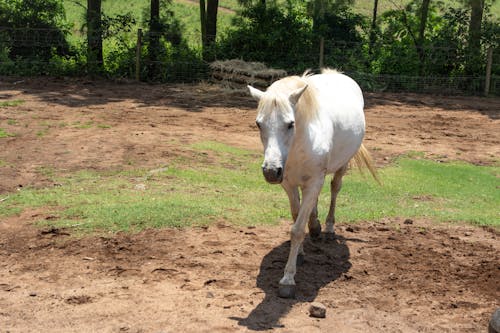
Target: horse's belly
(346, 141)
(340, 155)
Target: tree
(318, 9)
(474, 39)
(373, 27)
(94, 36)
(208, 20)
(33, 29)
(154, 36)
(424, 13)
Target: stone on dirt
(494, 326)
(317, 310)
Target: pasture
(142, 208)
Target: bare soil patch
(388, 276)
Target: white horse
(310, 126)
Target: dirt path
(376, 277)
(67, 125)
(389, 276)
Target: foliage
(32, 31)
(284, 34)
(174, 56)
(269, 34)
(443, 52)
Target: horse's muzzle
(273, 175)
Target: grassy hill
(187, 11)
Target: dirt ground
(394, 275)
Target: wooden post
(489, 63)
(321, 52)
(138, 55)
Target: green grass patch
(448, 192)
(16, 102)
(5, 134)
(86, 125)
(231, 188)
(187, 13)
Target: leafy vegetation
(233, 190)
(401, 41)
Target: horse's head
(276, 122)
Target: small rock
(317, 310)
(32, 294)
(494, 326)
(408, 221)
(468, 233)
(210, 295)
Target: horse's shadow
(325, 261)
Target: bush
(33, 29)
(268, 34)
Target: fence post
(489, 63)
(321, 52)
(138, 55)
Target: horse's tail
(362, 159)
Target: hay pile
(238, 73)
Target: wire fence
(433, 69)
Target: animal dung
(317, 310)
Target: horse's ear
(295, 95)
(256, 93)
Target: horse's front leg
(309, 197)
(294, 198)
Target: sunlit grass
(186, 12)
(224, 183)
(16, 102)
(5, 134)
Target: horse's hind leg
(335, 187)
(313, 224)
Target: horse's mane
(307, 107)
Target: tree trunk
(94, 36)
(154, 39)
(373, 27)
(474, 42)
(424, 13)
(211, 23)
(208, 16)
(203, 22)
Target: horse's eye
(258, 124)
(291, 125)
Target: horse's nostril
(279, 172)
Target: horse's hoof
(286, 291)
(315, 232)
(300, 259)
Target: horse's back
(337, 88)
(341, 103)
